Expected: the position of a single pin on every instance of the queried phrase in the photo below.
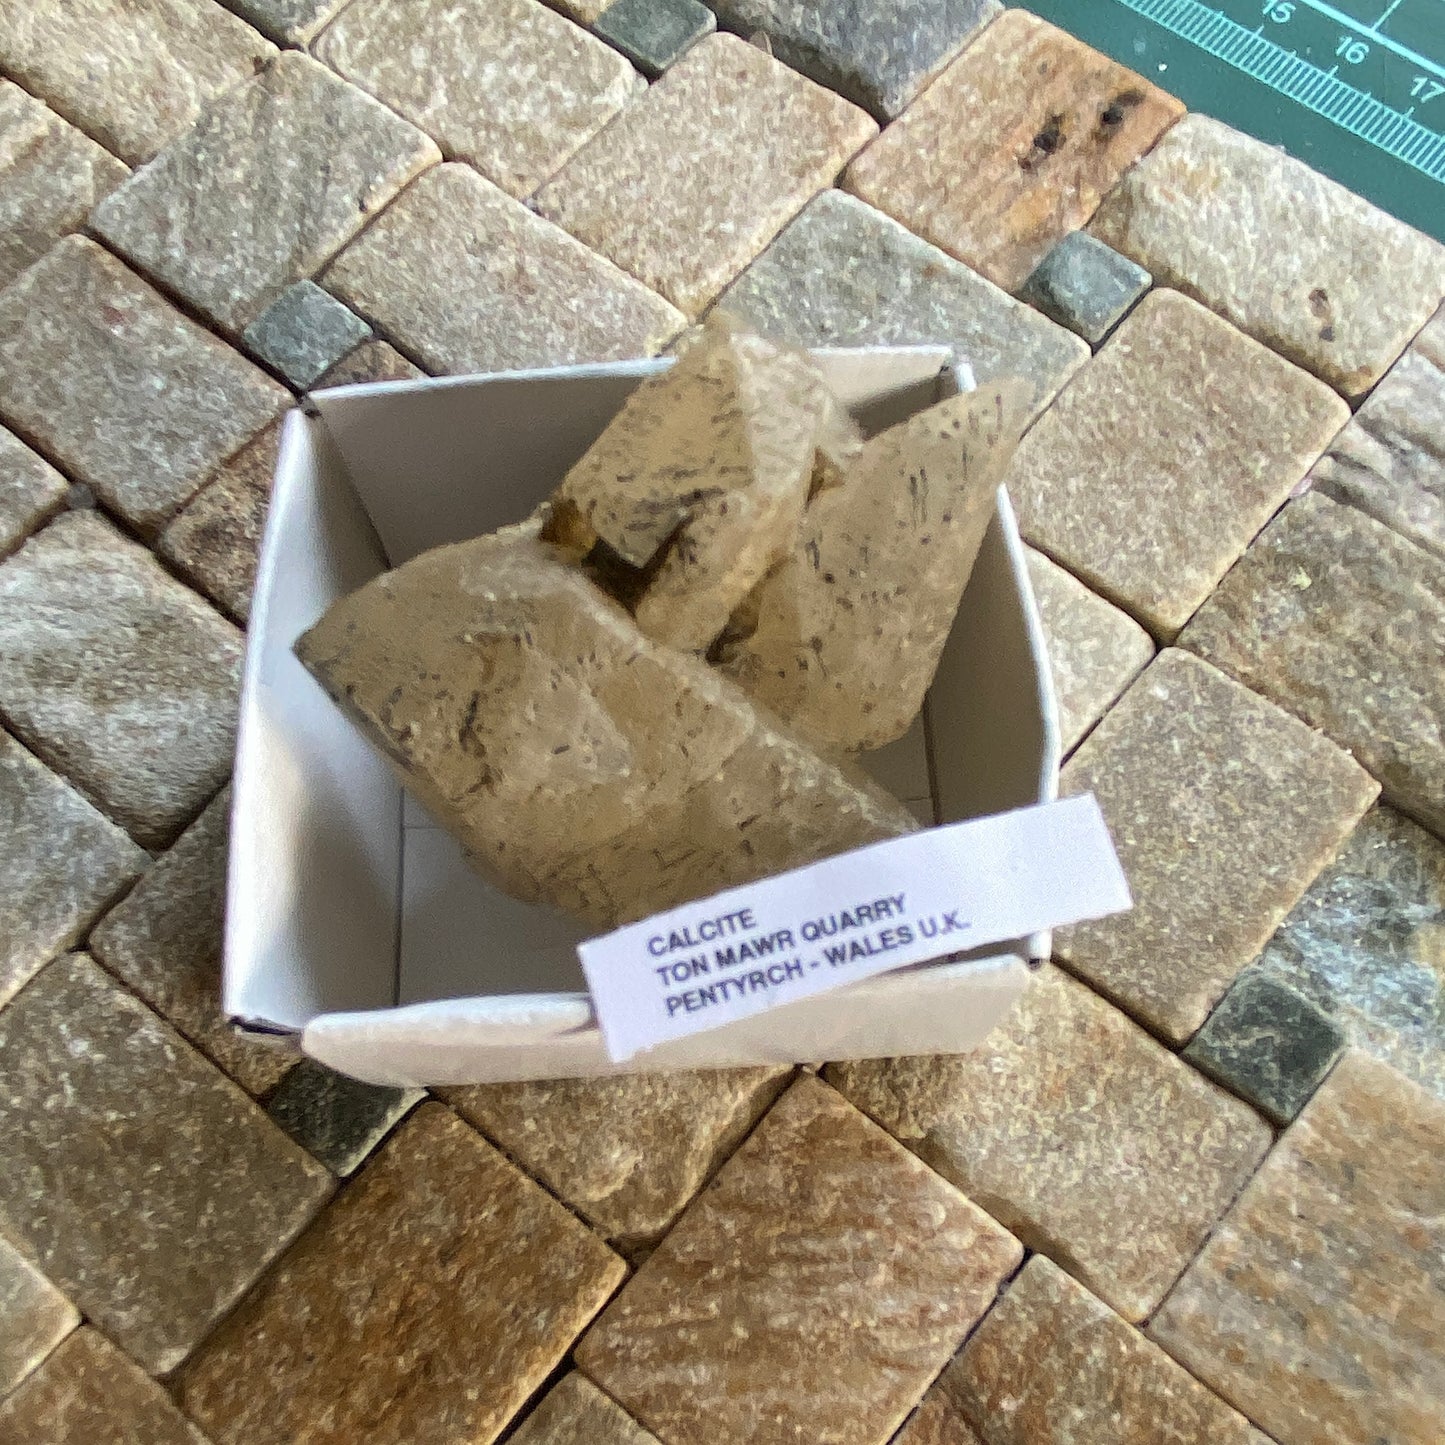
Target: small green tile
(652, 34)
(337, 1120)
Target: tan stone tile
(287, 22)
(34, 1317)
(1012, 147)
(133, 74)
(575, 1412)
(1342, 621)
(1319, 1305)
(691, 181)
(428, 1303)
(1123, 478)
(1223, 810)
(1080, 1133)
(31, 490)
(811, 1292)
(1276, 248)
(583, 11)
(626, 1153)
(935, 1422)
(464, 278)
(313, 156)
(142, 1181)
(371, 361)
(88, 1393)
(507, 85)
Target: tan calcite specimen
(843, 639)
(576, 760)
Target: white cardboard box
(353, 925)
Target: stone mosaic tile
(1085, 285)
(50, 177)
(1052, 1365)
(1012, 147)
(1095, 651)
(627, 1153)
(304, 331)
(575, 1412)
(1319, 1305)
(811, 1292)
(1080, 1133)
(654, 34)
(287, 22)
(132, 74)
(583, 11)
(30, 491)
(1223, 810)
(508, 86)
(154, 1220)
(695, 178)
(313, 156)
(89, 1393)
(936, 1422)
(116, 675)
(409, 1311)
(164, 943)
(878, 56)
(1367, 944)
(844, 274)
(115, 385)
(1124, 478)
(1341, 620)
(34, 1317)
(371, 361)
(464, 278)
(1390, 460)
(335, 1119)
(1268, 1044)
(215, 540)
(62, 862)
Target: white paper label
(933, 893)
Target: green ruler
(1354, 87)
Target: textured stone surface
(30, 490)
(215, 540)
(34, 1317)
(1319, 1306)
(50, 177)
(428, 1303)
(313, 156)
(584, 11)
(508, 86)
(466, 279)
(1342, 621)
(153, 1220)
(1095, 651)
(292, 22)
(575, 1412)
(115, 385)
(133, 74)
(654, 34)
(1168, 452)
(371, 361)
(116, 675)
(1012, 147)
(1223, 809)
(304, 331)
(691, 181)
(88, 1393)
(164, 943)
(1268, 1044)
(812, 1292)
(879, 56)
(1085, 285)
(1390, 460)
(626, 1153)
(335, 1119)
(1080, 1133)
(62, 862)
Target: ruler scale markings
(1340, 18)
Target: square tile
(1319, 1305)
(508, 86)
(1166, 455)
(31, 490)
(313, 156)
(287, 22)
(1078, 1132)
(575, 1412)
(654, 34)
(303, 332)
(695, 178)
(1223, 810)
(427, 1303)
(371, 361)
(1012, 147)
(1085, 285)
(811, 1293)
(335, 1119)
(34, 1317)
(116, 675)
(141, 1180)
(464, 278)
(1339, 619)
(116, 386)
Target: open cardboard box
(354, 926)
